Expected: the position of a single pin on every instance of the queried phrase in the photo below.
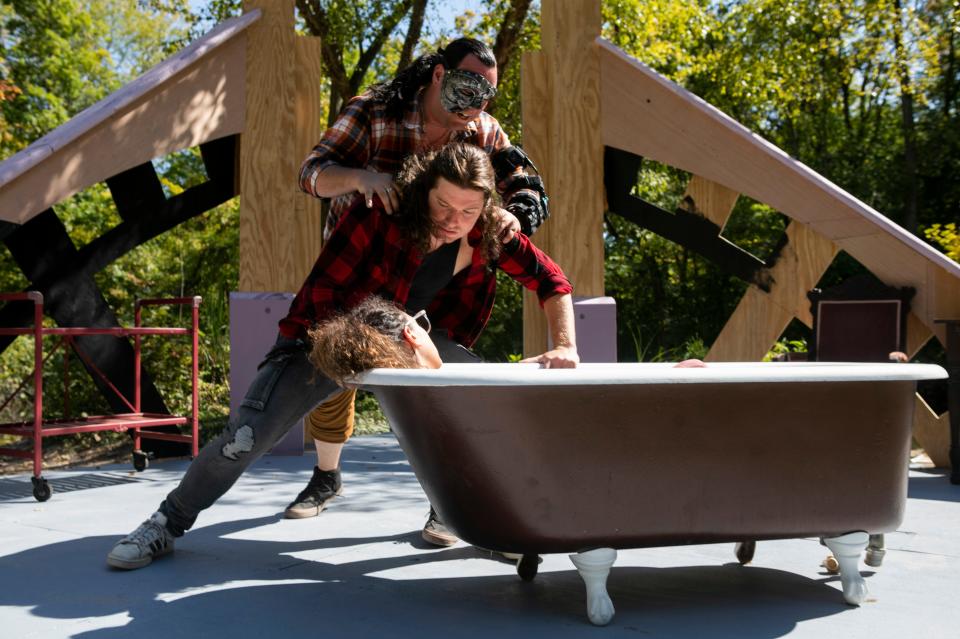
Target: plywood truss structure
(248, 94)
(251, 76)
(644, 114)
(191, 98)
(648, 115)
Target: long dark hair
(398, 92)
(463, 165)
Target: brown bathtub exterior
(549, 469)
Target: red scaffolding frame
(135, 420)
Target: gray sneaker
(136, 550)
(435, 532)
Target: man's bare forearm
(335, 180)
(559, 312)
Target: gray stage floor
(360, 570)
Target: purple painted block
(253, 330)
(595, 321)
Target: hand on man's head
(372, 183)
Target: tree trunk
(413, 34)
(510, 32)
(949, 76)
(507, 37)
(911, 192)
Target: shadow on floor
(219, 586)
(933, 484)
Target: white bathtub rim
(646, 373)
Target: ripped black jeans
(285, 389)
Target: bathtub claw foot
(527, 566)
(744, 551)
(847, 549)
(594, 567)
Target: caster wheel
(527, 567)
(745, 550)
(831, 565)
(874, 557)
(141, 461)
(875, 551)
(41, 489)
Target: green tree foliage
(825, 81)
(64, 55)
(863, 91)
(59, 57)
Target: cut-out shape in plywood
(692, 230)
(932, 432)
(711, 200)
(646, 114)
(189, 99)
(761, 318)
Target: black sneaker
(434, 532)
(322, 487)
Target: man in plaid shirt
(448, 202)
(438, 99)
(351, 268)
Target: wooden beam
(535, 92)
(200, 102)
(917, 334)
(761, 318)
(268, 154)
(756, 324)
(308, 109)
(569, 29)
(943, 301)
(932, 432)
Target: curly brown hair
(370, 335)
(462, 165)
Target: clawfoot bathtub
(614, 456)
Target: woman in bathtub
(443, 247)
(379, 334)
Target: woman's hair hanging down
(398, 92)
(463, 165)
(370, 335)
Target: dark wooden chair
(860, 320)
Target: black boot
(323, 486)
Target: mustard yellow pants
(332, 421)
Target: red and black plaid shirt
(367, 254)
(364, 136)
